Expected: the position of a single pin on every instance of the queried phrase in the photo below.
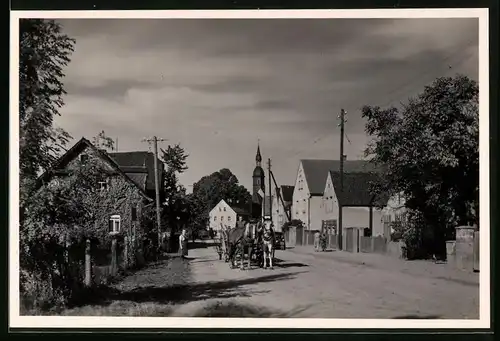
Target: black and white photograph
(282, 169)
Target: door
(299, 234)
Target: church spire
(258, 157)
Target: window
(229, 218)
(222, 218)
(224, 209)
(84, 158)
(215, 218)
(103, 185)
(220, 209)
(114, 224)
(134, 213)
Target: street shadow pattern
(235, 309)
(201, 244)
(180, 294)
(280, 263)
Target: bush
(417, 237)
(38, 294)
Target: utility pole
(270, 196)
(342, 158)
(155, 141)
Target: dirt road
(335, 285)
(341, 287)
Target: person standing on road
(240, 222)
(316, 241)
(183, 241)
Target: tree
(430, 151)
(44, 52)
(103, 141)
(293, 223)
(209, 190)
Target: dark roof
(240, 211)
(74, 151)
(316, 171)
(357, 188)
(286, 192)
(139, 162)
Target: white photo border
(138, 323)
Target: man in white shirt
(183, 240)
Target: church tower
(258, 185)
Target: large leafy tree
(44, 51)
(210, 189)
(430, 151)
(103, 141)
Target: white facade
(279, 215)
(351, 216)
(222, 215)
(301, 196)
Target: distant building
(360, 208)
(282, 206)
(258, 188)
(310, 185)
(224, 215)
(394, 210)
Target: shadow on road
(280, 263)
(201, 244)
(179, 294)
(234, 309)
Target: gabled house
(310, 185)
(360, 207)
(123, 216)
(282, 206)
(225, 215)
(139, 166)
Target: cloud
(217, 86)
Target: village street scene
(320, 168)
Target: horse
(241, 239)
(268, 243)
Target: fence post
(125, 252)
(88, 264)
(114, 257)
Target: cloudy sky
(217, 86)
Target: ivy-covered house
(118, 199)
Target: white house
(282, 204)
(224, 214)
(359, 205)
(394, 210)
(310, 185)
